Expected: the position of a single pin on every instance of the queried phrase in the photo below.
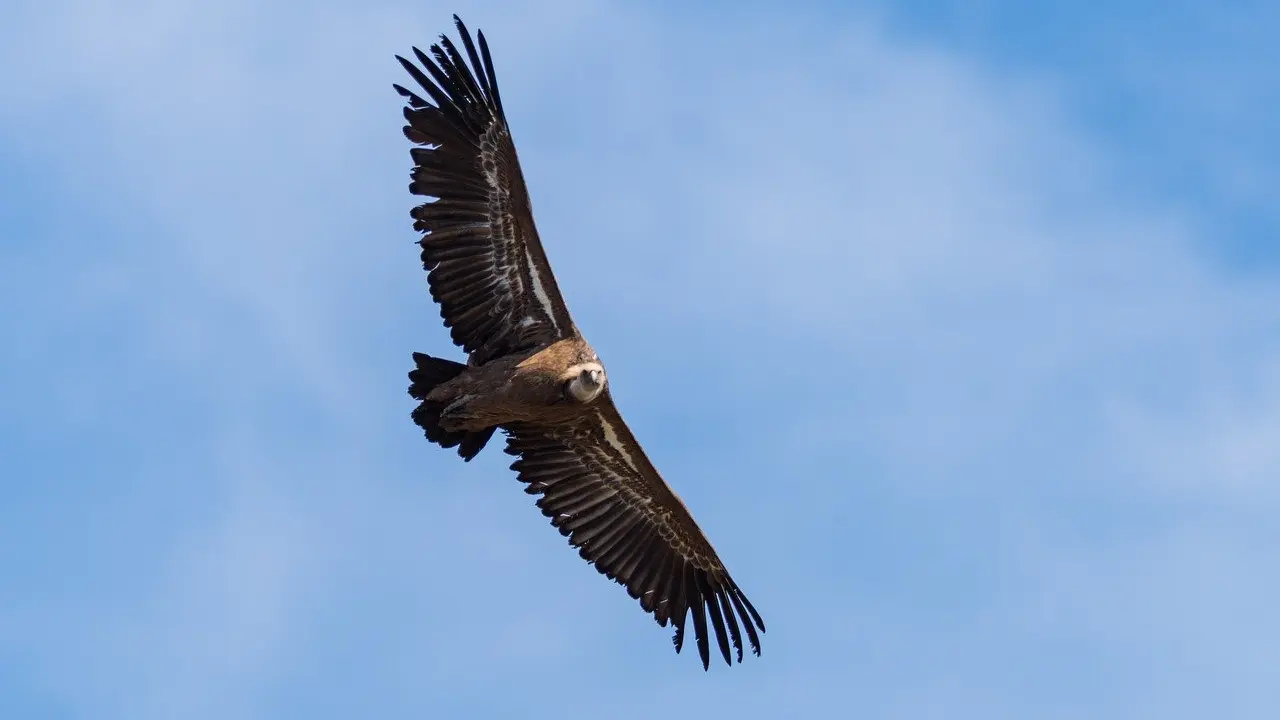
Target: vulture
(530, 372)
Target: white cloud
(959, 351)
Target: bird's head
(586, 382)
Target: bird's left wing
(603, 493)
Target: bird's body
(534, 386)
(530, 372)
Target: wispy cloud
(981, 431)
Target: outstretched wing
(485, 264)
(603, 493)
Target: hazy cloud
(981, 432)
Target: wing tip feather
(672, 582)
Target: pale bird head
(588, 383)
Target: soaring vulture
(529, 370)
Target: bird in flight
(530, 371)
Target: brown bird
(529, 370)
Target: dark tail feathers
(429, 373)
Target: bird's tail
(424, 378)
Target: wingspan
(603, 493)
(486, 266)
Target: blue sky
(957, 325)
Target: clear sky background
(957, 325)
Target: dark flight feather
(615, 509)
(480, 220)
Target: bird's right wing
(486, 266)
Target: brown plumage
(529, 370)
